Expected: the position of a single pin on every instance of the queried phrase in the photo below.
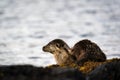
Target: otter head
(56, 46)
(60, 50)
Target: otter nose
(43, 48)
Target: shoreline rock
(107, 70)
(28, 72)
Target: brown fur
(85, 50)
(82, 51)
(60, 50)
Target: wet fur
(60, 50)
(82, 51)
(85, 50)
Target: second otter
(85, 50)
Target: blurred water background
(27, 25)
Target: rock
(89, 66)
(27, 72)
(107, 71)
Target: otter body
(60, 50)
(85, 50)
(82, 51)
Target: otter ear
(67, 48)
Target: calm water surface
(27, 25)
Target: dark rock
(27, 72)
(107, 71)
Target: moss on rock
(88, 66)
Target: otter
(82, 51)
(61, 51)
(86, 50)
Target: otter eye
(58, 45)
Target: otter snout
(47, 49)
(44, 49)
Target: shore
(108, 70)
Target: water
(27, 25)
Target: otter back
(85, 50)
